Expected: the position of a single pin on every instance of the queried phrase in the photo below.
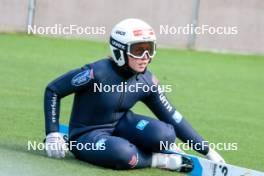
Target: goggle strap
(118, 44)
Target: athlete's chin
(140, 69)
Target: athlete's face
(138, 65)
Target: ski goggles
(138, 50)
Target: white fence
(241, 21)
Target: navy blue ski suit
(104, 117)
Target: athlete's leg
(117, 153)
(114, 152)
(147, 133)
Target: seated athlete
(104, 118)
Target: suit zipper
(121, 99)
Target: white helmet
(124, 37)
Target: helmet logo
(120, 32)
(143, 32)
(137, 32)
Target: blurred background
(246, 16)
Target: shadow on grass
(70, 159)
(41, 153)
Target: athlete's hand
(56, 146)
(214, 156)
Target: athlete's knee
(125, 155)
(116, 154)
(162, 134)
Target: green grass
(221, 95)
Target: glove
(214, 156)
(55, 145)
